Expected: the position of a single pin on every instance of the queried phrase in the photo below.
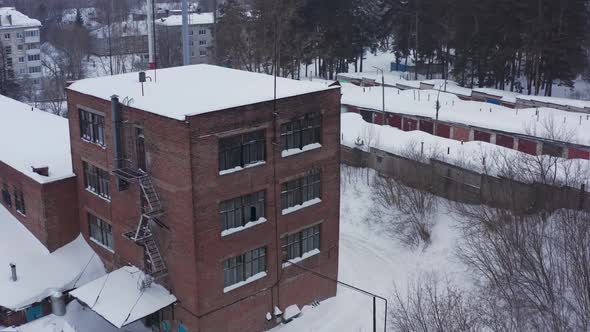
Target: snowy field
(372, 259)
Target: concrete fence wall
(463, 185)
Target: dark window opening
(302, 131)
(296, 245)
(242, 150)
(240, 268)
(92, 127)
(239, 211)
(298, 191)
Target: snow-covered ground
(372, 259)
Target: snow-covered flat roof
(39, 272)
(473, 113)
(119, 298)
(17, 19)
(190, 90)
(33, 138)
(193, 18)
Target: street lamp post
(382, 91)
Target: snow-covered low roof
(40, 273)
(551, 123)
(12, 18)
(33, 138)
(120, 298)
(190, 90)
(193, 19)
(558, 101)
(506, 96)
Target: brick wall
(210, 189)
(51, 209)
(167, 154)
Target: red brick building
(37, 185)
(211, 186)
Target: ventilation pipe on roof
(9, 18)
(0, 20)
(13, 276)
(58, 304)
(185, 38)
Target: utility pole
(150, 31)
(185, 37)
(382, 91)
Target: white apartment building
(21, 45)
(201, 27)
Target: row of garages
(460, 132)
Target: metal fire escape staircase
(151, 208)
(151, 211)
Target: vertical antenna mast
(150, 31)
(185, 41)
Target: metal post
(374, 314)
(382, 91)
(185, 38)
(150, 32)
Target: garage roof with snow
(181, 92)
(40, 273)
(120, 298)
(33, 138)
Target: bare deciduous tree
(434, 305)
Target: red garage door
(527, 146)
(426, 126)
(443, 130)
(367, 116)
(410, 124)
(574, 153)
(378, 118)
(481, 136)
(394, 120)
(505, 141)
(552, 149)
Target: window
(192, 43)
(21, 59)
(6, 36)
(100, 231)
(191, 32)
(202, 53)
(20, 47)
(36, 81)
(202, 42)
(240, 268)
(22, 71)
(92, 127)
(8, 50)
(19, 201)
(302, 131)
(34, 57)
(96, 180)
(239, 211)
(295, 245)
(242, 150)
(202, 32)
(19, 35)
(32, 46)
(32, 33)
(6, 196)
(36, 69)
(301, 190)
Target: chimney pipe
(13, 276)
(116, 117)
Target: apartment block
(20, 42)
